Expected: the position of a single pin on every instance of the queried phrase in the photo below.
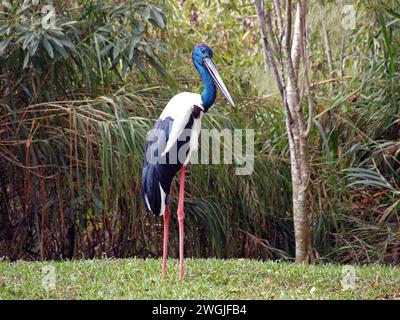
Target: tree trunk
(287, 51)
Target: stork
(169, 139)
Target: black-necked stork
(163, 158)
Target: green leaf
(4, 30)
(3, 45)
(27, 40)
(149, 51)
(131, 53)
(33, 46)
(104, 52)
(391, 11)
(159, 18)
(47, 46)
(372, 183)
(62, 51)
(137, 27)
(67, 43)
(388, 42)
(55, 41)
(125, 68)
(26, 59)
(145, 13)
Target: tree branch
(277, 8)
(268, 56)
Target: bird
(171, 142)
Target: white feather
(194, 137)
(147, 201)
(163, 195)
(179, 108)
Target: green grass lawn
(205, 279)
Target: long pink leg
(181, 217)
(165, 249)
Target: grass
(205, 279)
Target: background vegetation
(77, 101)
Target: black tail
(151, 192)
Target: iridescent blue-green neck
(209, 89)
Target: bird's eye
(202, 50)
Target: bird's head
(202, 56)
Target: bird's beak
(212, 69)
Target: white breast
(180, 108)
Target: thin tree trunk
(290, 52)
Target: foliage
(72, 154)
(56, 122)
(78, 53)
(357, 211)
